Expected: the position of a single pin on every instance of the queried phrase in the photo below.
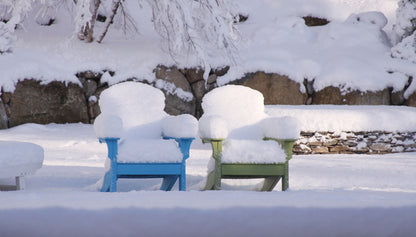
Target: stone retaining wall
(373, 142)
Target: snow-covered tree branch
(196, 27)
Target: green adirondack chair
(246, 142)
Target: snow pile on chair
(134, 113)
(236, 113)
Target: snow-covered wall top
(353, 51)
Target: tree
(405, 30)
(187, 26)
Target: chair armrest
(213, 127)
(112, 146)
(184, 144)
(286, 144)
(180, 126)
(108, 126)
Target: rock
(173, 75)
(319, 150)
(212, 79)
(194, 74)
(315, 21)
(380, 147)
(90, 87)
(3, 117)
(275, 88)
(199, 89)
(32, 102)
(411, 100)
(176, 106)
(333, 95)
(339, 149)
(397, 98)
(221, 71)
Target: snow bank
(19, 158)
(184, 125)
(339, 118)
(252, 152)
(149, 150)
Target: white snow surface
(326, 192)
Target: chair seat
(149, 151)
(252, 152)
(19, 158)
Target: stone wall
(57, 102)
(355, 142)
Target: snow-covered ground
(330, 195)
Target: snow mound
(19, 158)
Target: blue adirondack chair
(142, 140)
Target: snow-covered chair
(18, 159)
(246, 142)
(142, 140)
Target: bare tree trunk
(90, 29)
(116, 4)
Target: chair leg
(20, 183)
(113, 185)
(270, 183)
(168, 183)
(182, 182)
(106, 182)
(285, 182)
(285, 179)
(210, 181)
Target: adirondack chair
(142, 140)
(246, 143)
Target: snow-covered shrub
(406, 19)
(406, 49)
(405, 31)
(201, 28)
